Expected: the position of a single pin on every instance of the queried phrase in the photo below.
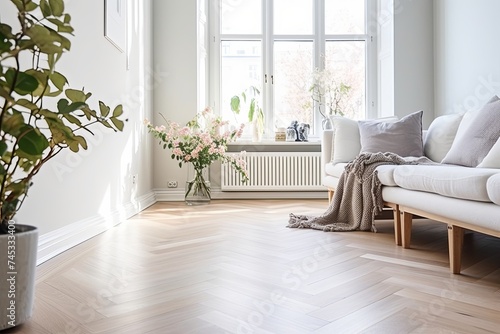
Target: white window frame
(319, 41)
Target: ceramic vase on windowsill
(257, 131)
(326, 124)
(197, 186)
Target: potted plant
(255, 113)
(40, 117)
(328, 94)
(199, 143)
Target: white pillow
(346, 142)
(440, 136)
(471, 146)
(492, 159)
(346, 138)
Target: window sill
(270, 145)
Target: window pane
(344, 16)
(241, 67)
(345, 62)
(241, 17)
(292, 80)
(293, 17)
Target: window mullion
(319, 41)
(268, 64)
(371, 59)
(214, 12)
(319, 50)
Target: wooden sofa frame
(403, 221)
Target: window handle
(272, 79)
(265, 78)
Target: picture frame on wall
(115, 23)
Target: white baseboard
(164, 195)
(62, 239)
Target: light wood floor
(233, 267)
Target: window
(276, 45)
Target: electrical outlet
(172, 184)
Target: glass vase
(198, 186)
(326, 124)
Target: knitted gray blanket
(358, 197)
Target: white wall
(414, 58)
(467, 54)
(94, 187)
(176, 98)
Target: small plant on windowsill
(328, 94)
(249, 99)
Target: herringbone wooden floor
(233, 267)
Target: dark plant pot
(18, 252)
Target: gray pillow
(471, 147)
(403, 137)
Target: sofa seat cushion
(335, 169)
(385, 173)
(493, 188)
(447, 180)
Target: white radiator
(276, 171)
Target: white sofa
(461, 197)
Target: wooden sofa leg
(397, 225)
(455, 245)
(406, 223)
(330, 195)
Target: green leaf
(24, 84)
(13, 123)
(65, 108)
(27, 104)
(104, 109)
(5, 35)
(6, 31)
(31, 6)
(58, 80)
(81, 140)
(61, 26)
(67, 18)
(76, 95)
(251, 111)
(5, 94)
(19, 4)
(3, 148)
(62, 104)
(65, 43)
(106, 124)
(42, 38)
(73, 119)
(51, 60)
(89, 113)
(74, 145)
(42, 78)
(33, 142)
(45, 7)
(117, 123)
(235, 104)
(57, 7)
(118, 111)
